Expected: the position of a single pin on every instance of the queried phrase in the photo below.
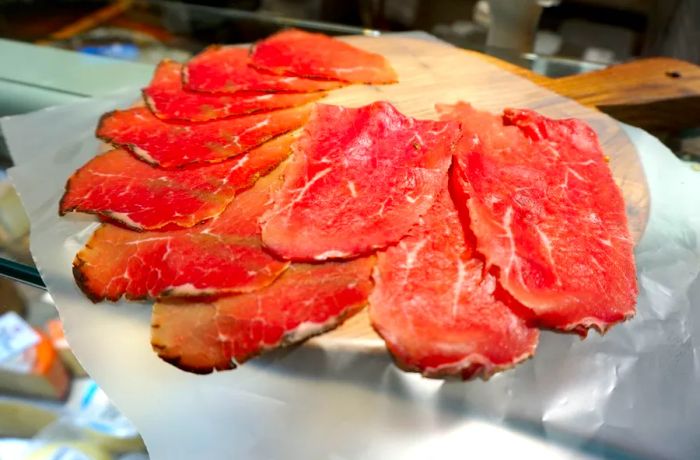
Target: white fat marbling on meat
(457, 287)
(309, 328)
(143, 154)
(303, 190)
(186, 290)
(331, 254)
(123, 218)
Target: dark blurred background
(601, 31)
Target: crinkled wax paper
(633, 393)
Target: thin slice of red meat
(223, 255)
(225, 69)
(120, 187)
(546, 211)
(313, 55)
(168, 100)
(359, 179)
(174, 145)
(436, 307)
(305, 300)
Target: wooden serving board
(431, 72)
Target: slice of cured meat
(225, 69)
(359, 179)
(222, 255)
(546, 211)
(118, 186)
(305, 300)
(173, 145)
(168, 100)
(436, 307)
(312, 55)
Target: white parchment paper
(631, 394)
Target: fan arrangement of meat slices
(256, 220)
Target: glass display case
(53, 63)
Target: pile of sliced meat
(256, 220)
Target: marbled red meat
(173, 145)
(120, 187)
(437, 308)
(546, 211)
(221, 334)
(225, 69)
(168, 100)
(223, 255)
(358, 180)
(313, 55)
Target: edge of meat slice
(177, 145)
(166, 97)
(437, 308)
(226, 69)
(220, 334)
(149, 198)
(547, 213)
(314, 55)
(359, 178)
(224, 254)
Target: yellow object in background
(14, 225)
(70, 451)
(13, 220)
(22, 419)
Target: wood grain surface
(656, 94)
(659, 94)
(433, 72)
